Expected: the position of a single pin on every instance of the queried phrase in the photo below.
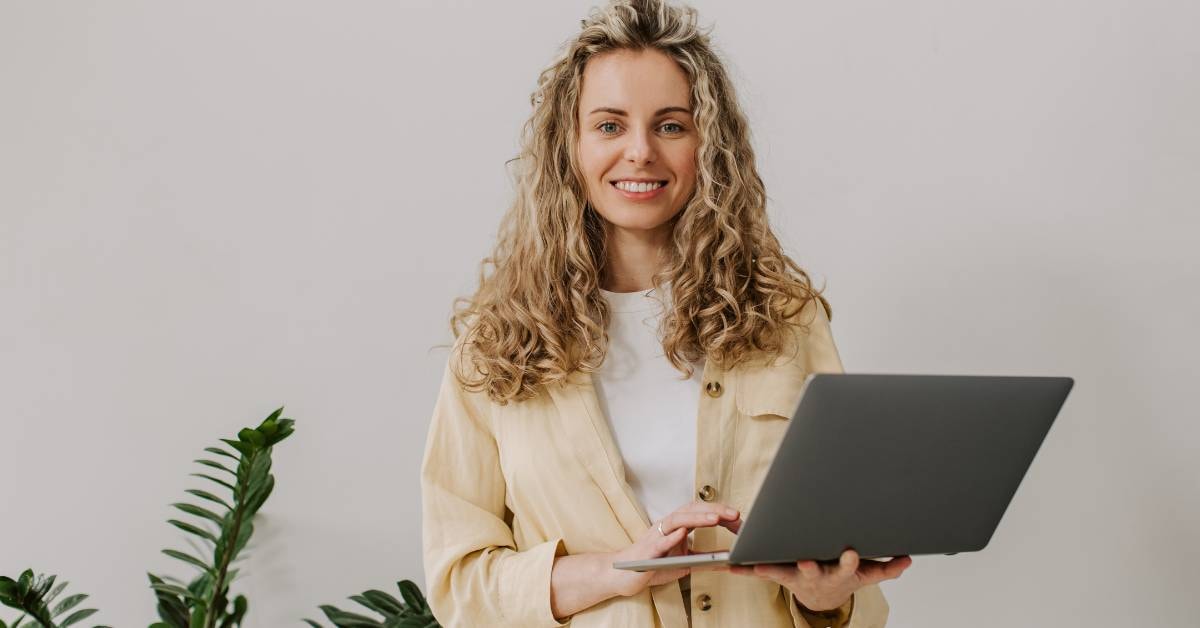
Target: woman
(620, 379)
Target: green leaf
(412, 595)
(77, 616)
(391, 605)
(24, 582)
(369, 604)
(243, 448)
(67, 604)
(198, 617)
(43, 587)
(285, 429)
(187, 527)
(187, 558)
(216, 465)
(209, 496)
(252, 436)
(274, 415)
(8, 591)
(53, 594)
(173, 589)
(307, 621)
(221, 482)
(221, 452)
(345, 619)
(201, 512)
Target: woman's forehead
(636, 82)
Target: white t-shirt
(651, 410)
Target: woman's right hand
(672, 542)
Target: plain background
(209, 210)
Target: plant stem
(235, 531)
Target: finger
(673, 538)
(723, 510)
(847, 564)
(896, 566)
(734, 525)
(740, 570)
(688, 520)
(871, 571)
(809, 569)
(777, 573)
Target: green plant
(33, 595)
(204, 602)
(413, 612)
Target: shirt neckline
(627, 302)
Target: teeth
(630, 186)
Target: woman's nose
(640, 149)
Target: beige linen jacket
(507, 488)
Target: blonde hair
(539, 315)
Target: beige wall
(211, 209)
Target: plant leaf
(412, 596)
(54, 593)
(67, 604)
(345, 619)
(187, 527)
(173, 589)
(391, 605)
(252, 436)
(191, 560)
(243, 448)
(209, 496)
(77, 616)
(200, 512)
(216, 465)
(221, 482)
(221, 452)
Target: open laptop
(891, 465)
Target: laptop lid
(897, 465)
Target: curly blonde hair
(538, 316)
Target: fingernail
(729, 512)
(710, 516)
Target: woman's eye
(677, 126)
(607, 124)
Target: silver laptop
(891, 465)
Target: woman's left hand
(823, 587)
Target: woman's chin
(638, 218)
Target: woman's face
(635, 127)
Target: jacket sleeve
(474, 574)
(867, 608)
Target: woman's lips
(639, 196)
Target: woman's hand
(672, 542)
(823, 587)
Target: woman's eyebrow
(621, 112)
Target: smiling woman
(581, 418)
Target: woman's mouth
(639, 191)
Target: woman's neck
(633, 256)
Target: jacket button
(713, 389)
(704, 601)
(708, 493)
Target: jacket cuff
(833, 618)
(524, 587)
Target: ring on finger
(660, 528)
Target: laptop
(891, 465)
